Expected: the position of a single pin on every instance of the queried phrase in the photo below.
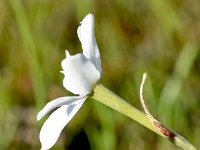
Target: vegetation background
(159, 37)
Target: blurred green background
(160, 37)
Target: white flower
(82, 72)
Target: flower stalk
(108, 98)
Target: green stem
(107, 97)
(110, 99)
(31, 51)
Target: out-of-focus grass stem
(173, 86)
(31, 52)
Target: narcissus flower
(81, 73)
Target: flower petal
(68, 100)
(55, 123)
(86, 36)
(80, 74)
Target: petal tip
(89, 19)
(90, 15)
(39, 117)
(67, 53)
(62, 72)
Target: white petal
(86, 36)
(80, 74)
(55, 123)
(68, 100)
